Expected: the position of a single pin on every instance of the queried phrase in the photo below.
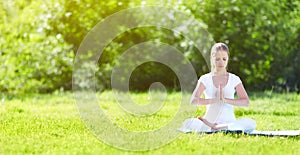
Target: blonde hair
(217, 48)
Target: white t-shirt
(219, 112)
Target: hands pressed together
(219, 96)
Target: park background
(39, 40)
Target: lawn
(51, 124)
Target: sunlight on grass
(51, 124)
(133, 122)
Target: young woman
(219, 87)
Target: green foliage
(260, 34)
(32, 60)
(39, 40)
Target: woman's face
(220, 60)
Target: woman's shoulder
(204, 77)
(234, 77)
(232, 74)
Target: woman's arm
(196, 99)
(242, 100)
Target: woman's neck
(219, 72)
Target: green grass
(51, 124)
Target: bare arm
(214, 126)
(196, 99)
(242, 100)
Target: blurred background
(39, 40)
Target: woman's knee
(246, 123)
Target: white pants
(195, 125)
